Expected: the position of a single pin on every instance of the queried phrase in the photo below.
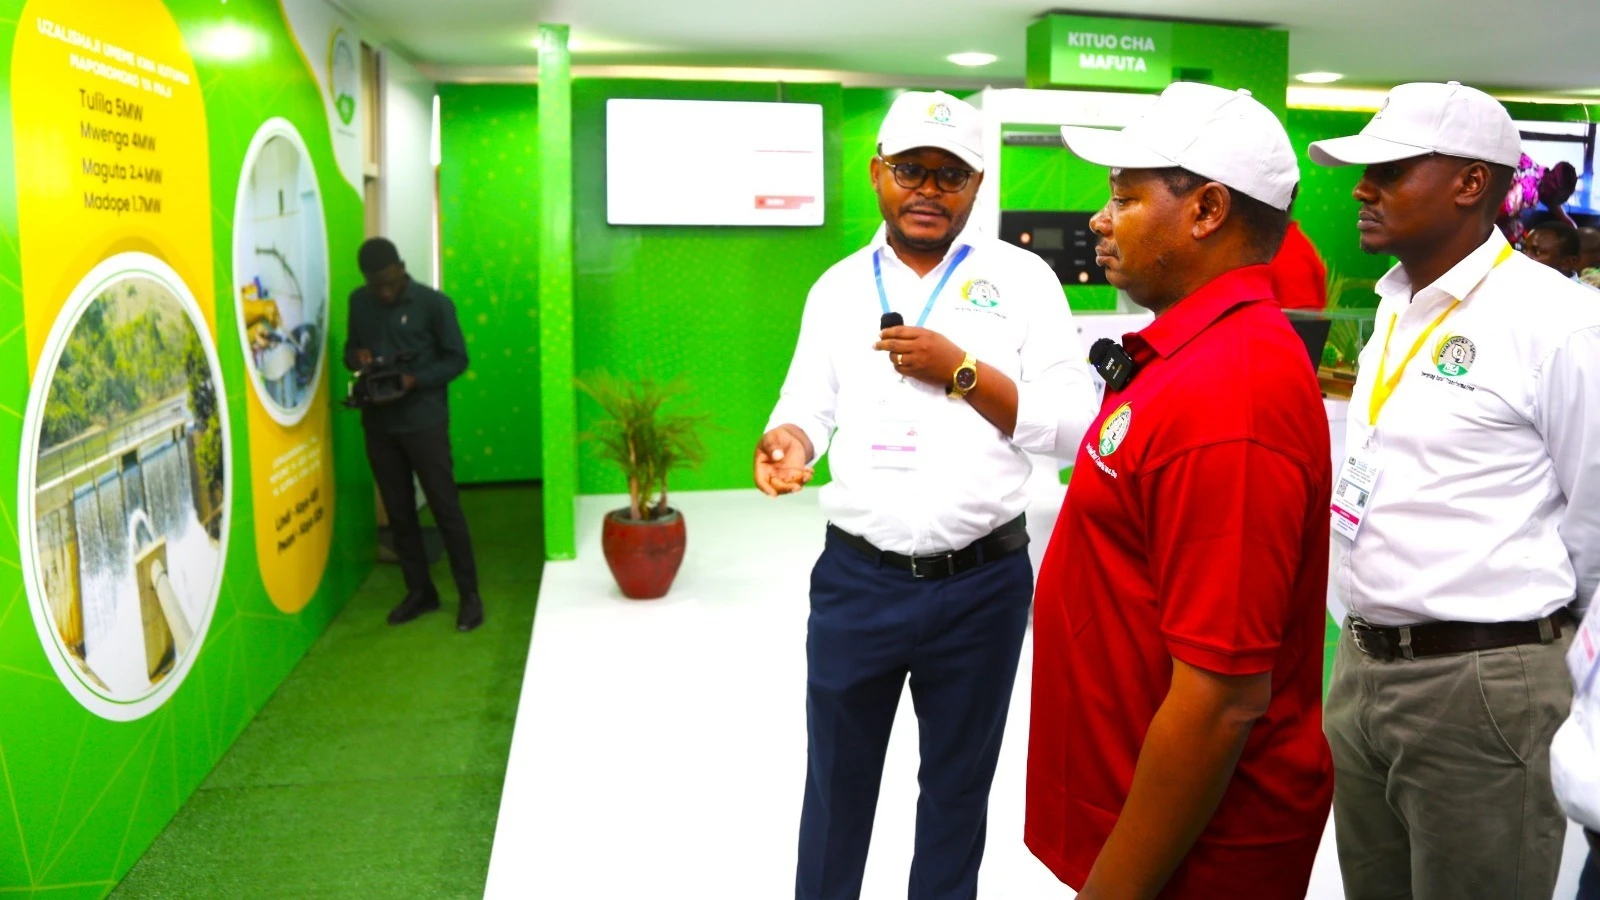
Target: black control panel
(1062, 239)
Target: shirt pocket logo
(981, 293)
(1454, 356)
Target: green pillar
(557, 393)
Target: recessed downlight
(973, 58)
(1318, 77)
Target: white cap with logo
(1225, 136)
(1426, 117)
(933, 119)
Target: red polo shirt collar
(1195, 313)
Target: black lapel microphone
(1113, 363)
(891, 320)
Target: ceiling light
(1318, 77)
(972, 59)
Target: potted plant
(643, 542)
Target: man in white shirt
(924, 572)
(1466, 518)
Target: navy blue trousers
(1589, 881)
(958, 639)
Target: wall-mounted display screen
(1062, 239)
(706, 162)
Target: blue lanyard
(883, 298)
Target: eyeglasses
(911, 176)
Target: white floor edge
(659, 747)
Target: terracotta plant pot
(643, 556)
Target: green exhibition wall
(489, 265)
(719, 307)
(81, 795)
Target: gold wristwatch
(965, 379)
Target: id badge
(1352, 492)
(896, 445)
(1583, 657)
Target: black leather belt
(1003, 541)
(1443, 638)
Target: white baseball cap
(933, 119)
(1226, 136)
(1426, 117)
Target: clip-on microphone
(1113, 363)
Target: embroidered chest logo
(981, 293)
(1115, 429)
(1454, 356)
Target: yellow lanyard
(1386, 384)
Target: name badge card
(895, 444)
(1352, 493)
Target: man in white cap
(924, 572)
(1466, 517)
(1176, 736)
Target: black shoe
(471, 614)
(412, 606)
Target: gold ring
(899, 359)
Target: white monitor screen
(713, 162)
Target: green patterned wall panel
(489, 265)
(718, 306)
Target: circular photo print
(280, 271)
(124, 482)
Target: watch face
(966, 379)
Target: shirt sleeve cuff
(1222, 662)
(1037, 424)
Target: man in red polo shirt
(1176, 746)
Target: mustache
(924, 208)
(1105, 250)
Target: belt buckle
(949, 559)
(1370, 641)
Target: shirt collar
(1456, 283)
(968, 237)
(1195, 313)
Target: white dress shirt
(1003, 305)
(1487, 505)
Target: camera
(378, 382)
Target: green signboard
(1097, 52)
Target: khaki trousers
(1442, 772)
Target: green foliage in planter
(641, 436)
(1344, 337)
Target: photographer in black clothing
(404, 342)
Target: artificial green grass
(376, 768)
